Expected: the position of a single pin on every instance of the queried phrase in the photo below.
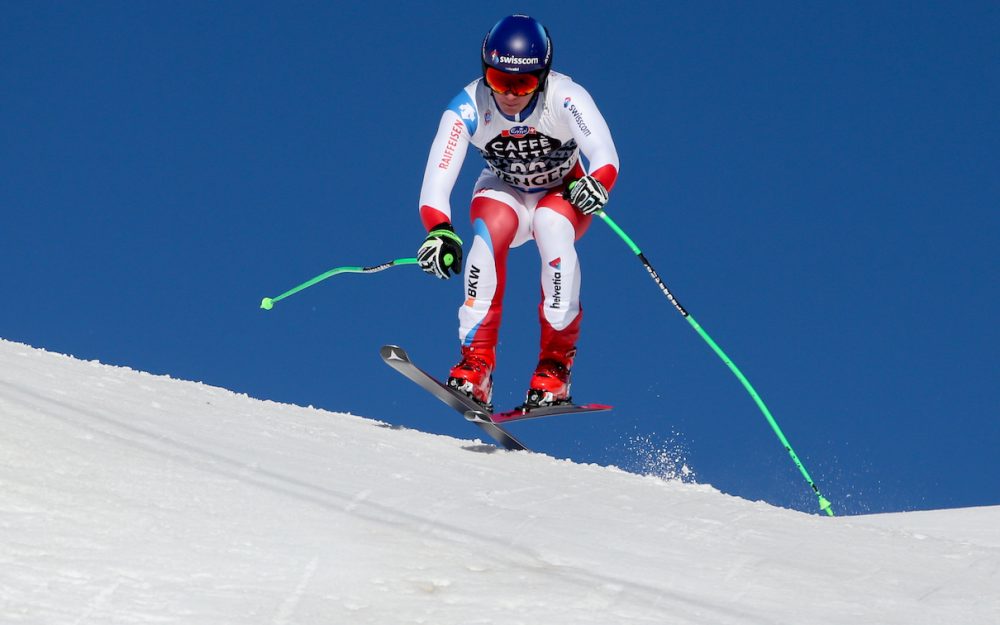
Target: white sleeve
(444, 164)
(588, 127)
(448, 150)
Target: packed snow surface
(132, 498)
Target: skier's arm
(448, 150)
(591, 133)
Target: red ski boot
(550, 384)
(473, 375)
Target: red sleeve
(606, 175)
(431, 217)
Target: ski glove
(441, 253)
(587, 194)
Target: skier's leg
(556, 227)
(495, 224)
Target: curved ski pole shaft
(824, 504)
(268, 302)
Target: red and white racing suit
(529, 160)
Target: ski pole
(824, 504)
(268, 302)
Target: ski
(397, 358)
(523, 413)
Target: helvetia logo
(556, 283)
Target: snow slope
(132, 498)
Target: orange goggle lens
(504, 82)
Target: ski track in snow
(132, 498)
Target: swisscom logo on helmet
(513, 60)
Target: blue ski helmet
(518, 44)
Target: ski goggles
(505, 82)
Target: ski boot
(549, 385)
(473, 375)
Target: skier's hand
(441, 253)
(587, 194)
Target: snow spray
(824, 504)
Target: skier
(531, 125)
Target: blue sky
(819, 186)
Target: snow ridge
(132, 498)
